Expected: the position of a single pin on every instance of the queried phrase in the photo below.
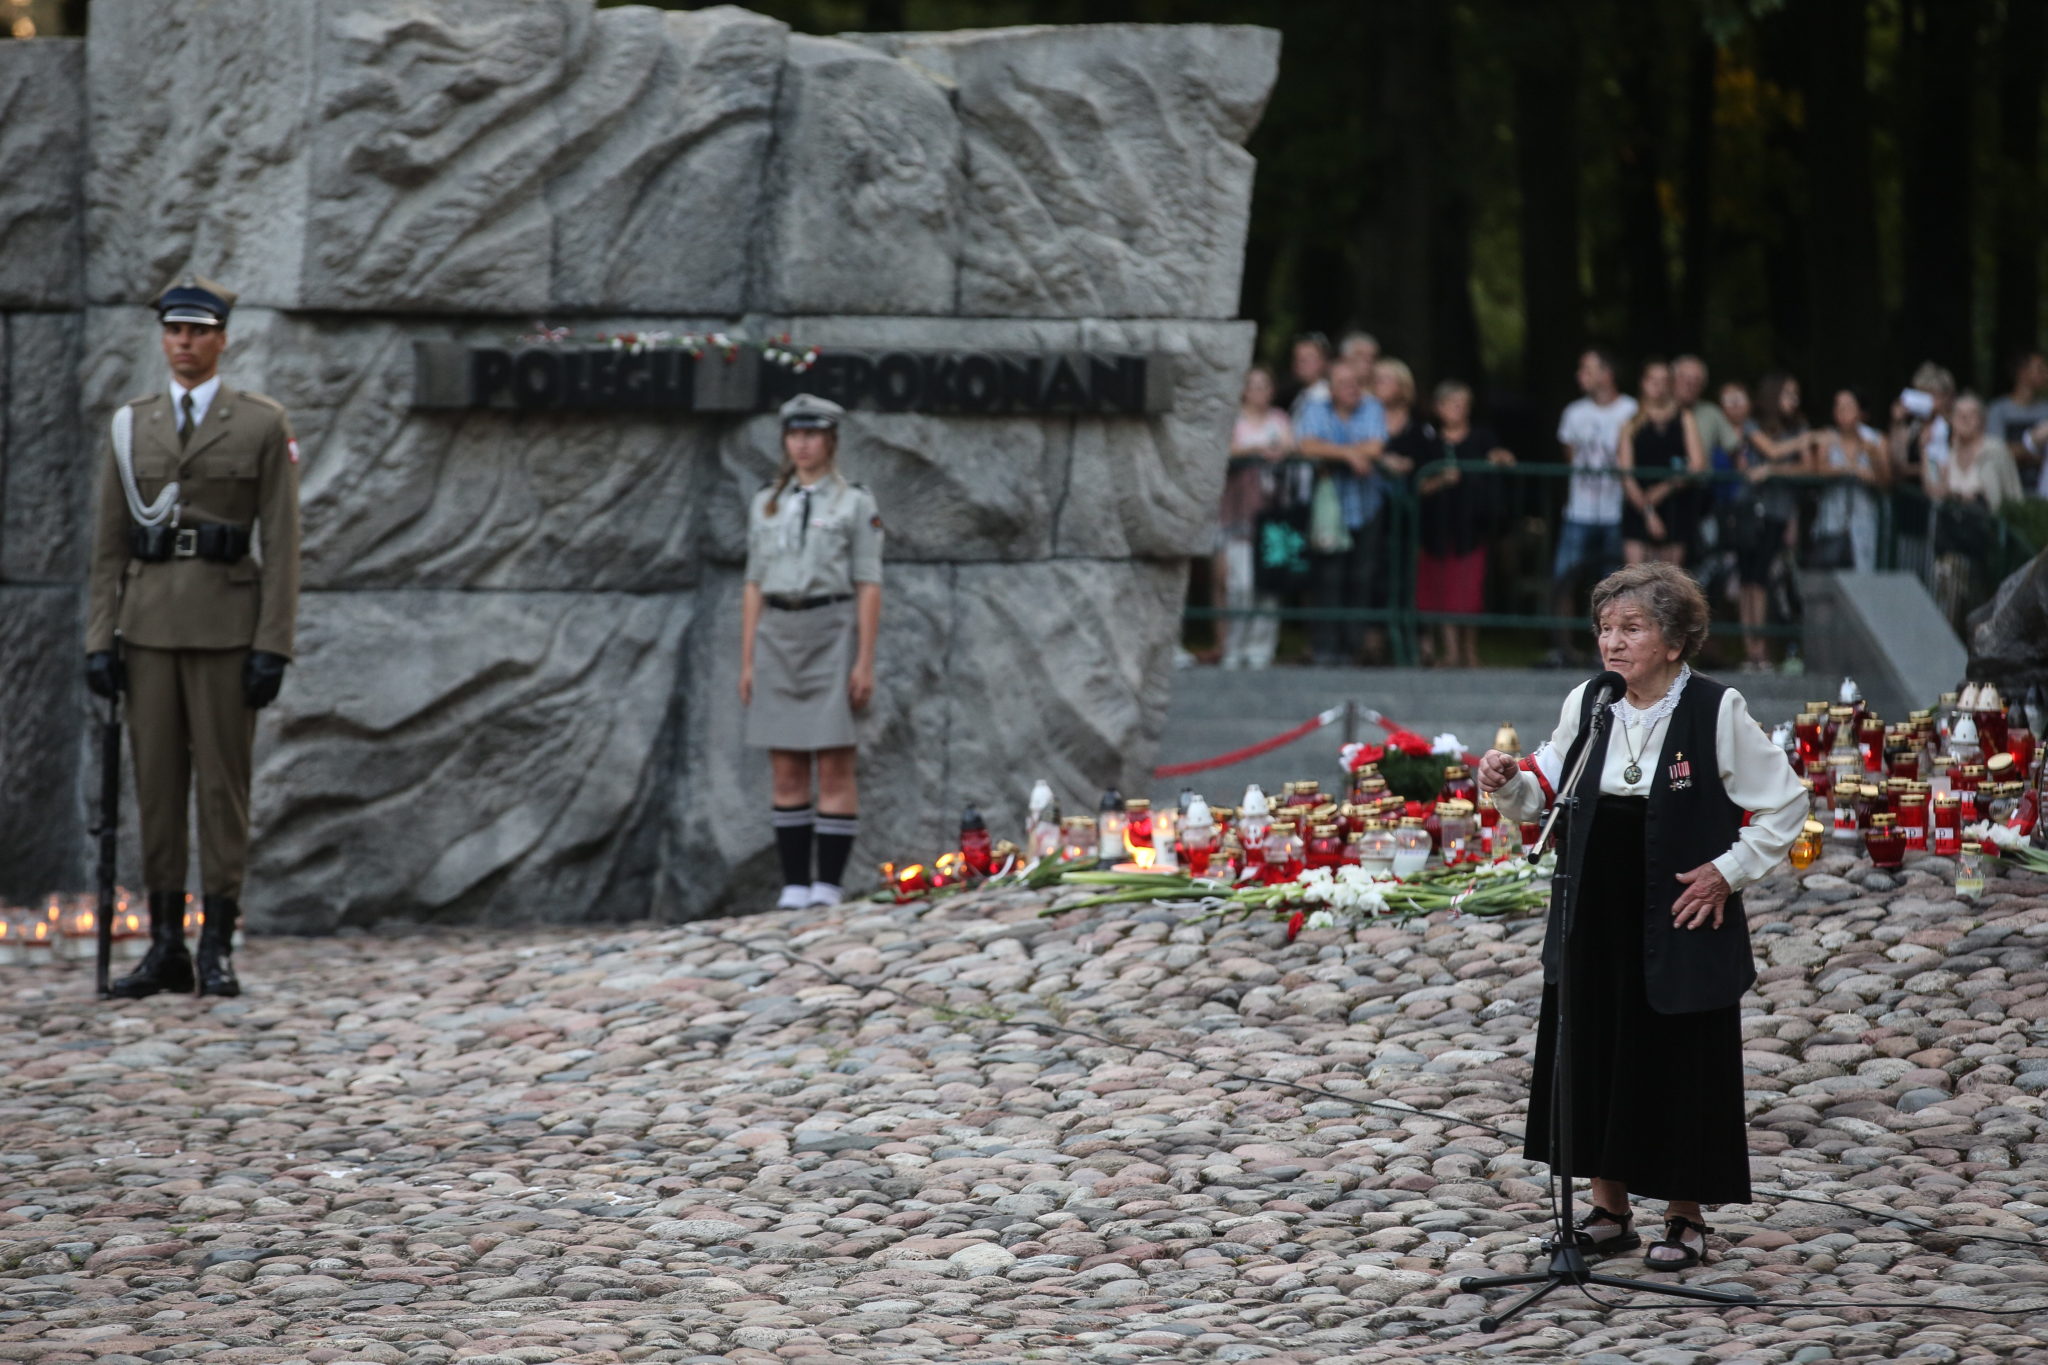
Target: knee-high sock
(793, 844)
(835, 846)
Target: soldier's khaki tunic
(187, 625)
(811, 548)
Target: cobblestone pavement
(688, 1144)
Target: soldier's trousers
(188, 726)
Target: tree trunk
(2016, 326)
(1397, 236)
(1846, 350)
(1697, 241)
(1935, 190)
(1646, 273)
(1781, 65)
(1547, 73)
(1457, 322)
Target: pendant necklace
(1633, 773)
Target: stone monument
(516, 693)
(2008, 636)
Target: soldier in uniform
(194, 591)
(809, 614)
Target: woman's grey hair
(1667, 595)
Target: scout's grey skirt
(801, 663)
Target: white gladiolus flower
(1999, 836)
(1322, 919)
(1448, 744)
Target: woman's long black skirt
(1656, 1098)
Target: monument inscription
(1017, 252)
(556, 378)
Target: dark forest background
(1842, 188)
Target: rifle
(108, 831)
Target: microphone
(1606, 688)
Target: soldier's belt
(215, 541)
(785, 602)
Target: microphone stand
(1567, 1259)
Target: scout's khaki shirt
(842, 547)
(240, 467)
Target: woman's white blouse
(1757, 775)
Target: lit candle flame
(1142, 854)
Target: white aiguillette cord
(165, 508)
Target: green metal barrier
(1399, 524)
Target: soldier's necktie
(185, 423)
(804, 527)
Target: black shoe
(167, 966)
(217, 947)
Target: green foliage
(1398, 148)
(1415, 779)
(2028, 518)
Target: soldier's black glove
(262, 675)
(105, 674)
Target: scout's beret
(194, 298)
(808, 412)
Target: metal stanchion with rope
(1349, 711)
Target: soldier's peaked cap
(808, 412)
(194, 298)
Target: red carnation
(1294, 923)
(1409, 743)
(1366, 754)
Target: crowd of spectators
(1675, 471)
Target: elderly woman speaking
(1659, 954)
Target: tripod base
(1568, 1267)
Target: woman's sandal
(1625, 1239)
(1675, 1230)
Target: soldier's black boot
(167, 966)
(217, 947)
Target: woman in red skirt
(1459, 507)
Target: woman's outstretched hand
(1705, 895)
(1496, 770)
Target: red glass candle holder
(1883, 843)
(1325, 847)
(1948, 826)
(2020, 743)
(1912, 823)
(1808, 733)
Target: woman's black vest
(1690, 821)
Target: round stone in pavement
(686, 1143)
